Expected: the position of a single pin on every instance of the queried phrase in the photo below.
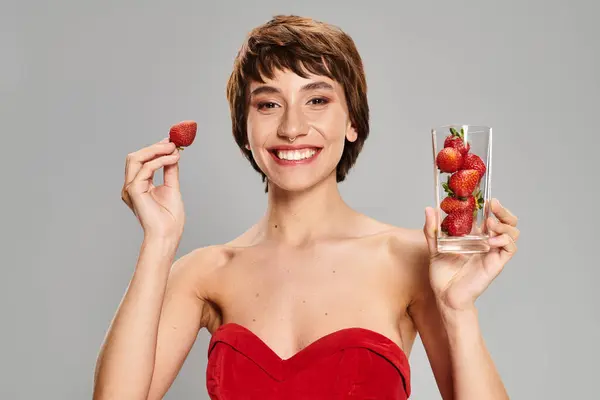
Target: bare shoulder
(406, 245)
(196, 267)
(404, 249)
(410, 246)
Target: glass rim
(471, 128)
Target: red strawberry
(445, 225)
(449, 160)
(456, 140)
(452, 204)
(458, 224)
(183, 133)
(463, 183)
(473, 161)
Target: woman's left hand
(459, 279)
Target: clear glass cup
(462, 163)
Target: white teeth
(295, 155)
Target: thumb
(429, 229)
(171, 175)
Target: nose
(293, 124)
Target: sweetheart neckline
(244, 341)
(316, 343)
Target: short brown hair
(300, 45)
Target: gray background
(84, 83)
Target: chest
(288, 281)
(290, 297)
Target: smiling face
(297, 128)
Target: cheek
(334, 133)
(259, 128)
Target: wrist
(462, 326)
(162, 245)
(458, 317)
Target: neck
(298, 218)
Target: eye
(267, 105)
(319, 101)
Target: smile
(294, 156)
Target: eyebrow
(307, 87)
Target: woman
(316, 300)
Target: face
(297, 128)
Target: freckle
(253, 320)
(304, 301)
(275, 225)
(334, 271)
(325, 313)
(257, 295)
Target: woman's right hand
(159, 209)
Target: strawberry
(473, 161)
(452, 204)
(462, 183)
(183, 133)
(458, 224)
(445, 225)
(457, 140)
(449, 160)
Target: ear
(351, 134)
(247, 147)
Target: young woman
(316, 300)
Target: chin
(299, 182)
(292, 185)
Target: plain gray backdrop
(84, 83)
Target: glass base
(463, 245)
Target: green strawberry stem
(455, 133)
(447, 189)
(479, 199)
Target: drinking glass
(462, 161)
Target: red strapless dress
(352, 363)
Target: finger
(504, 242)
(498, 228)
(136, 160)
(429, 229)
(147, 171)
(503, 214)
(171, 174)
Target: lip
(279, 161)
(293, 147)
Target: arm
(444, 310)
(461, 363)
(154, 328)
